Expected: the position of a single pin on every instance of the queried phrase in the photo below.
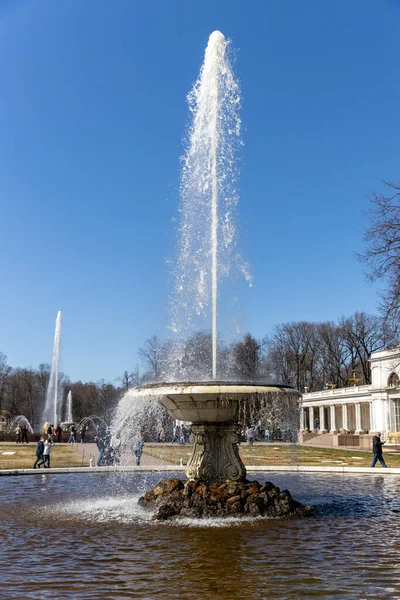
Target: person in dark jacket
(101, 446)
(24, 433)
(83, 434)
(377, 450)
(39, 452)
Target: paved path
(89, 449)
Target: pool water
(83, 536)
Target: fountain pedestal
(217, 485)
(214, 409)
(215, 455)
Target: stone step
(322, 440)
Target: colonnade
(355, 417)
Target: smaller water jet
(68, 412)
(22, 421)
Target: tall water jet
(51, 409)
(68, 412)
(207, 246)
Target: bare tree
(5, 371)
(108, 397)
(29, 401)
(382, 254)
(247, 358)
(335, 354)
(294, 355)
(43, 375)
(126, 380)
(364, 334)
(151, 354)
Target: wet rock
(174, 498)
(233, 499)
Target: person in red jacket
(58, 433)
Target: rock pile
(174, 498)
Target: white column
(345, 417)
(380, 422)
(333, 419)
(301, 419)
(311, 417)
(322, 424)
(387, 410)
(371, 416)
(358, 419)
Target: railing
(338, 393)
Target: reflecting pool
(83, 536)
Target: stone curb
(175, 468)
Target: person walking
(377, 450)
(251, 434)
(18, 434)
(182, 439)
(137, 447)
(24, 434)
(72, 437)
(83, 434)
(46, 454)
(101, 446)
(177, 434)
(39, 452)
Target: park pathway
(90, 449)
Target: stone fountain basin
(209, 402)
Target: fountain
(22, 421)
(101, 541)
(51, 409)
(68, 412)
(206, 254)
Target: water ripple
(86, 537)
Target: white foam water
(68, 412)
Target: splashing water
(51, 409)
(209, 196)
(133, 416)
(22, 421)
(68, 413)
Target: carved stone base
(215, 455)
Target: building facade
(359, 410)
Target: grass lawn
(280, 455)
(62, 455)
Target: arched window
(393, 380)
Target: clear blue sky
(92, 114)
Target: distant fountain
(68, 413)
(51, 411)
